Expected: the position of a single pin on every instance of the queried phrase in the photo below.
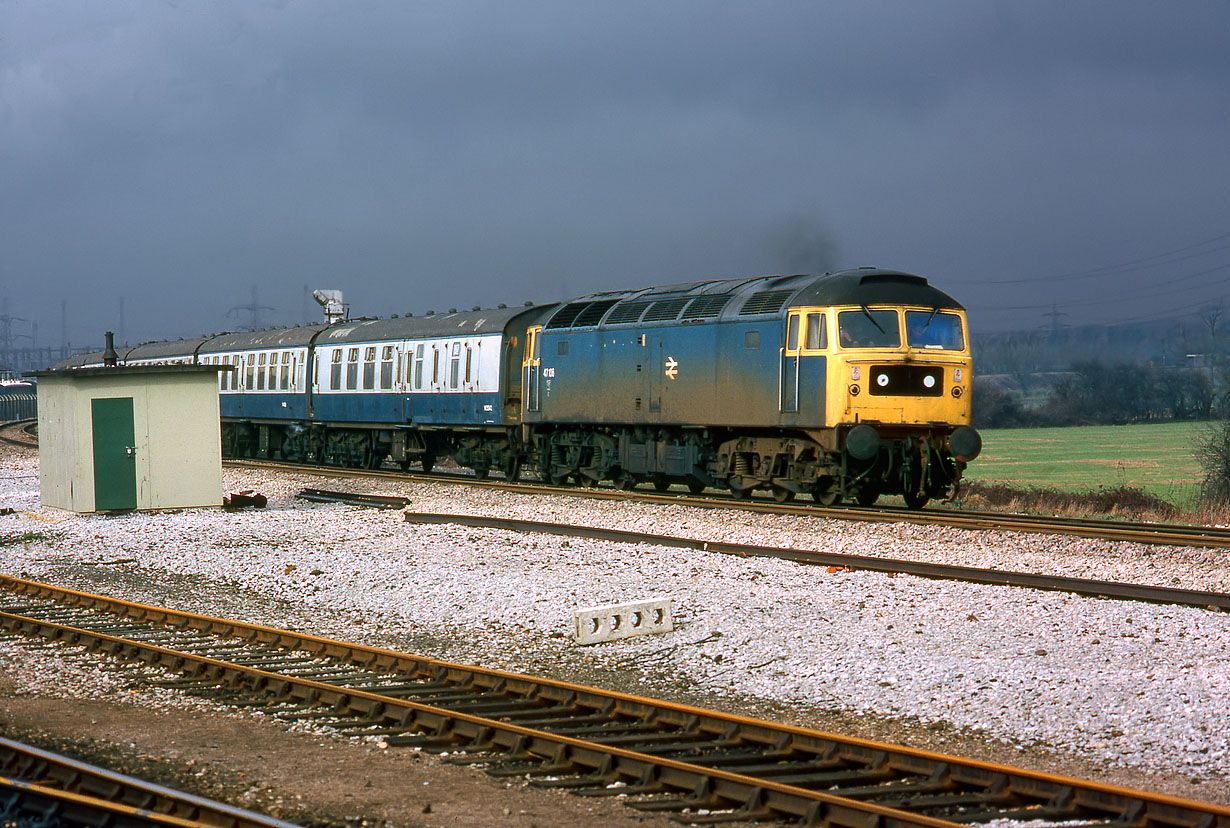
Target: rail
(701, 766)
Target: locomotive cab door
(788, 375)
(803, 367)
(533, 369)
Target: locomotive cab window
(934, 330)
(816, 335)
(751, 340)
(864, 328)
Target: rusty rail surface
(924, 569)
(38, 787)
(1162, 534)
(698, 765)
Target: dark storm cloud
(449, 154)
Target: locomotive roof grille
(593, 314)
(766, 301)
(664, 310)
(564, 317)
(706, 307)
(580, 314)
(627, 312)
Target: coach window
(418, 366)
(352, 369)
(386, 367)
(435, 365)
(285, 375)
(455, 365)
(369, 368)
(335, 370)
(469, 358)
(235, 368)
(817, 335)
(273, 372)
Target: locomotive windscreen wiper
(867, 314)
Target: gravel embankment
(1109, 684)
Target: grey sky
(447, 154)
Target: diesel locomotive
(847, 385)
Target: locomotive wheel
(512, 468)
(829, 497)
(782, 495)
(558, 479)
(740, 494)
(867, 496)
(481, 472)
(915, 500)
(625, 482)
(695, 486)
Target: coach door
(533, 369)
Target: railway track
(40, 788)
(969, 574)
(701, 766)
(1140, 532)
(1162, 534)
(20, 433)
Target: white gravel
(1118, 683)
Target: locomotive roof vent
(898, 278)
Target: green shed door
(115, 467)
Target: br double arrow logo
(672, 367)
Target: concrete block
(610, 622)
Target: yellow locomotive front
(898, 399)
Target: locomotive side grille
(593, 314)
(665, 309)
(767, 301)
(706, 307)
(627, 312)
(564, 316)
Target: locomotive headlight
(882, 380)
(956, 391)
(928, 381)
(854, 390)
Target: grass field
(1158, 458)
